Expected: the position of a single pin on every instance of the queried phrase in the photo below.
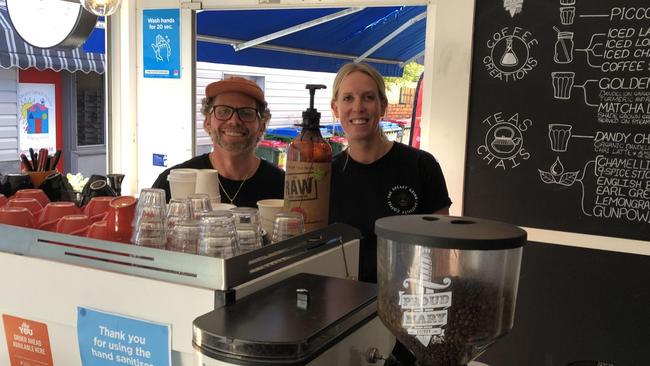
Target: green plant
(410, 76)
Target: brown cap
(235, 84)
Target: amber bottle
(309, 163)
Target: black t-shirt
(267, 182)
(402, 182)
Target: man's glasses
(224, 113)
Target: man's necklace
(232, 199)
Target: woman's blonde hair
(363, 67)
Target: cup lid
(183, 173)
(183, 179)
(271, 202)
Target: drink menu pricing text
(577, 73)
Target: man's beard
(234, 147)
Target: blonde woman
(375, 177)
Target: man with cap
(236, 115)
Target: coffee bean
(478, 315)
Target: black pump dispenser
(311, 117)
(309, 164)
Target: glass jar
(447, 285)
(564, 48)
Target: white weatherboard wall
(9, 115)
(284, 91)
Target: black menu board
(559, 122)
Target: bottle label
(307, 190)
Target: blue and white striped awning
(14, 52)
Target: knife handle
(42, 159)
(32, 154)
(57, 156)
(26, 163)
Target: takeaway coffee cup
(207, 181)
(182, 182)
(267, 209)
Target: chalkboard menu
(559, 122)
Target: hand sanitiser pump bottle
(309, 163)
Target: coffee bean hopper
(447, 285)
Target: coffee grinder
(447, 285)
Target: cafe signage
(161, 43)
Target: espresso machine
(446, 290)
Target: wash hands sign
(161, 42)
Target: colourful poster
(37, 117)
(27, 341)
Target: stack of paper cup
(182, 182)
(267, 209)
(207, 181)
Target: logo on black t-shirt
(403, 200)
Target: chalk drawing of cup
(504, 141)
(567, 14)
(559, 134)
(562, 84)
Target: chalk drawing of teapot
(504, 140)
